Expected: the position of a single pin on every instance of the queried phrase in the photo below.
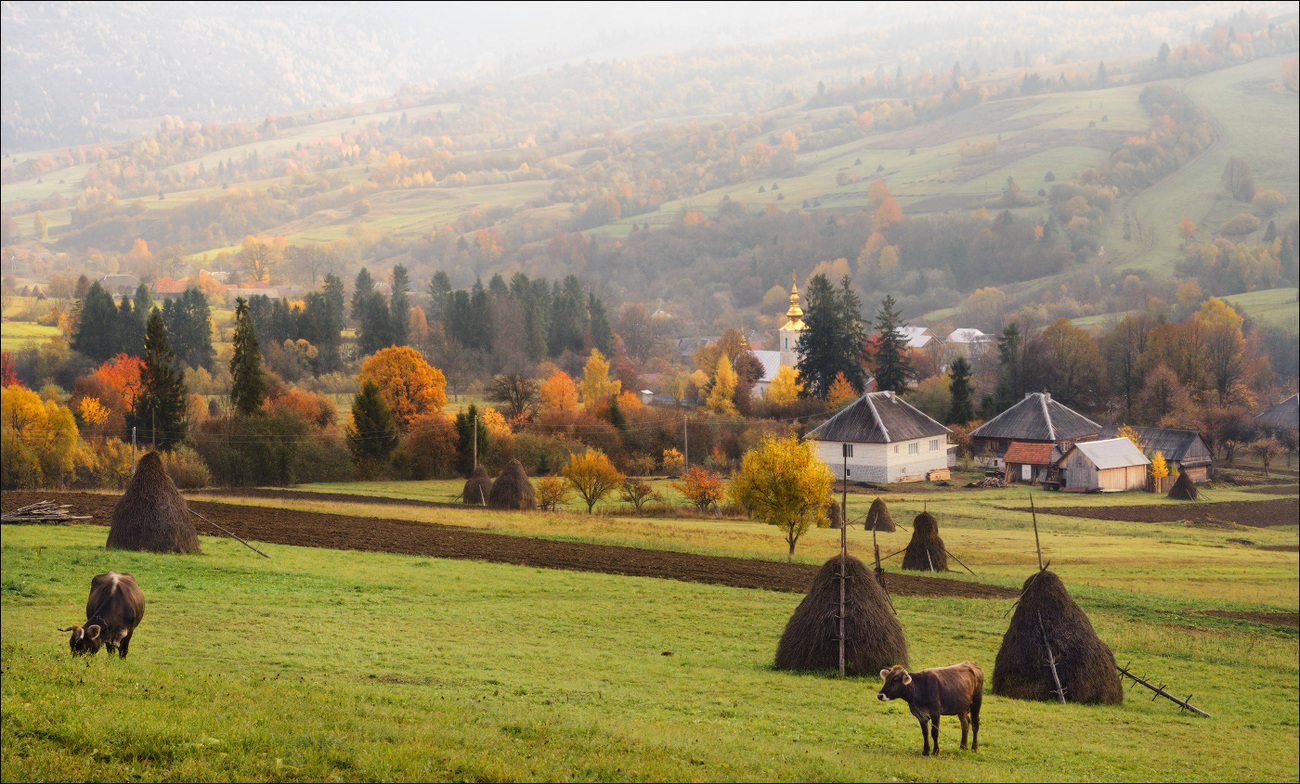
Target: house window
(787, 342)
(895, 448)
(934, 445)
(914, 448)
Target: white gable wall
(885, 463)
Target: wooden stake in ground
(1037, 546)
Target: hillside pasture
(18, 335)
(360, 666)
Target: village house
(882, 438)
(1179, 446)
(1037, 419)
(1283, 416)
(1110, 466)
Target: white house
(888, 440)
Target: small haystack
(1184, 488)
(1084, 664)
(873, 637)
(879, 518)
(512, 490)
(836, 520)
(925, 553)
(151, 515)
(477, 488)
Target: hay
(151, 515)
(873, 637)
(1184, 488)
(477, 488)
(1084, 663)
(925, 552)
(512, 490)
(879, 518)
(836, 520)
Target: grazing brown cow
(943, 691)
(114, 609)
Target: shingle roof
(1114, 453)
(771, 362)
(1025, 453)
(1174, 443)
(878, 418)
(1038, 418)
(1285, 414)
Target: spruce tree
(189, 327)
(333, 291)
(963, 407)
(96, 332)
(1011, 362)
(130, 328)
(439, 296)
(375, 324)
(893, 360)
(159, 412)
(399, 307)
(372, 436)
(360, 290)
(465, 444)
(247, 382)
(602, 336)
(834, 340)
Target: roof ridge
(876, 415)
(1047, 415)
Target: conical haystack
(836, 520)
(1084, 664)
(1184, 488)
(151, 514)
(512, 490)
(477, 488)
(879, 518)
(925, 553)
(873, 638)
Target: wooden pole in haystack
(1037, 546)
(228, 533)
(1051, 661)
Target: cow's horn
(67, 628)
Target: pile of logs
(41, 512)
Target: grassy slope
(355, 666)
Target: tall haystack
(151, 514)
(512, 490)
(879, 518)
(1084, 664)
(834, 515)
(925, 553)
(1184, 488)
(873, 638)
(477, 488)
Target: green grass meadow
(320, 665)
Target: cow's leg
(925, 738)
(125, 644)
(965, 726)
(934, 732)
(975, 721)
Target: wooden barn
(1038, 419)
(1179, 446)
(1111, 466)
(888, 440)
(1030, 462)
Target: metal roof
(771, 362)
(1114, 453)
(878, 418)
(1181, 445)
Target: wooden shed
(1111, 466)
(1181, 447)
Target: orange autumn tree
(410, 386)
(841, 392)
(702, 487)
(559, 395)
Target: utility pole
(476, 440)
(686, 443)
(132, 450)
(844, 546)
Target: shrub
(673, 463)
(186, 468)
(1240, 225)
(551, 492)
(703, 488)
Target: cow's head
(85, 639)
(897, 683)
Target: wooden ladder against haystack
(1185, 704)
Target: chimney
(1047, 396)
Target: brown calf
(943, 691)
(114, 609)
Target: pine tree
(480, 318)
(360, 291)
(1011, 363)
(247, 382)
(130, 328)
(602, 337)
(333, 291)
(963, 408)
(372, 436)
(439, 296)
(893, 359)
(160, 408)
(96, 332)
(189, 327)
(399, 307)
(465, 444)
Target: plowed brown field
(345, 532)
(1256, 514)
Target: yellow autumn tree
(783, 482)
(37, 439)
(724, 386)
(410, 386)
(593, 476)
(596, 383)
(1125, 431)
(1159, 467)
(559, 395)
(785, 386)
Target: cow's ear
(906, 679)
(93, 632)
(884, 674)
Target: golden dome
(795, 313)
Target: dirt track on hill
(1256, 514)
(345, 532)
